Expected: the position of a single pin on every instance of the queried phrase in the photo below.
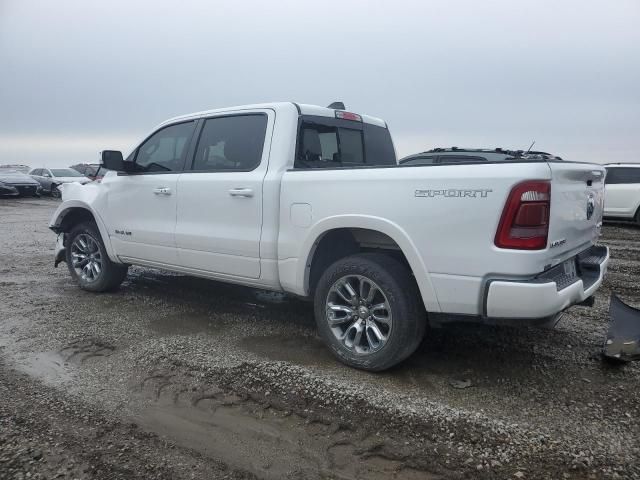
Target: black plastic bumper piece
(623, 338)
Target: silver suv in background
(622, 191)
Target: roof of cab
(303, 109)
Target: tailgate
(577, 199)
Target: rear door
(577, 199)
(219, 212)
(141, 206)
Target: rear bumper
(550, 292)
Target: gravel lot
(177, 377)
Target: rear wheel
(88, 261)
(368, 311)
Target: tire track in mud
(84, 349)
(268, 437)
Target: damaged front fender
(623, 338)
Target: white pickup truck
(311, 201)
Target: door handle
(241, 192)
(162, 191)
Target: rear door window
(231, 143)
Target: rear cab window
(325, 142)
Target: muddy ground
(176, 377)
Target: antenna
(530, 147)
(337, 106)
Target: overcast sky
(80, 76)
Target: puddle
(303, 350)
(49, 367)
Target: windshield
(65, 172)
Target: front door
(219, 216)
(141, 205)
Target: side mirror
(112, 160)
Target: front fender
(392, 230)
(68, 206)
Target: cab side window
(164, 150)
(231, 143)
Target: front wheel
(88, 261)
(55, 193)
(368, 311)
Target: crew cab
(311, 201)
(622, 192)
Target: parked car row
(21, 180)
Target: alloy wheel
(359, 314)
(86, 258)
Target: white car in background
(51, 178)
(622, 191)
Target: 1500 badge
(454, 193)
(123, 232)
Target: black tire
(637, 219)
(111, 274)
(54, 192)
(396, 282)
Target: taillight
(524, 224)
